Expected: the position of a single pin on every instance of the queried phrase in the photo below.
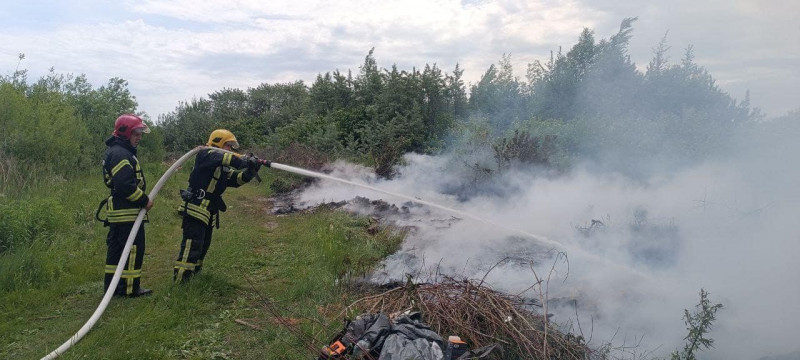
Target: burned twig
(492, 268)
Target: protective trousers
(194, 246)
(131, 275)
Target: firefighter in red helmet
(124, 177)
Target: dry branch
(481, 316)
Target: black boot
(141, 292)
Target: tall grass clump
(27, 229)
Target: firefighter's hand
(254, 165)
(149, 205)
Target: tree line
(589, 103)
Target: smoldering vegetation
(645, 245)
(654, 184)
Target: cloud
(196, 53)
(159, 46)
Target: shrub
(698, 324)
(303, 156)
(524, 148)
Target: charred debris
(491, 324)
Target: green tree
(98, 108)
(276, 105)
(331, 92)
(500, 95)
(611, 84)
(369, 82)
(456, 94)
(229, 109)
(188, 126)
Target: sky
(175, 51)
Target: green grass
(51, 282)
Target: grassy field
(51, 278)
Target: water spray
(540, 239)
(537, 238)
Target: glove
(247, 161)
(253, 164)
(259, 161)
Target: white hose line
(109, 293)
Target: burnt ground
(516, 252)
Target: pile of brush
(480, 316)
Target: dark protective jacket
(123, 175)
(213, 172)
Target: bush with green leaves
(58, 125)
(698, 324)
(522, 148)
(42, 128)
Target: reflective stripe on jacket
(124, 177)
(213, 172)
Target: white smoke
(727, 226)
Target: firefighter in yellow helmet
(213, 172)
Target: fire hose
(127, 249)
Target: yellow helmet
(220, 137)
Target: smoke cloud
(638, 251)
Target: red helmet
(127, 123)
